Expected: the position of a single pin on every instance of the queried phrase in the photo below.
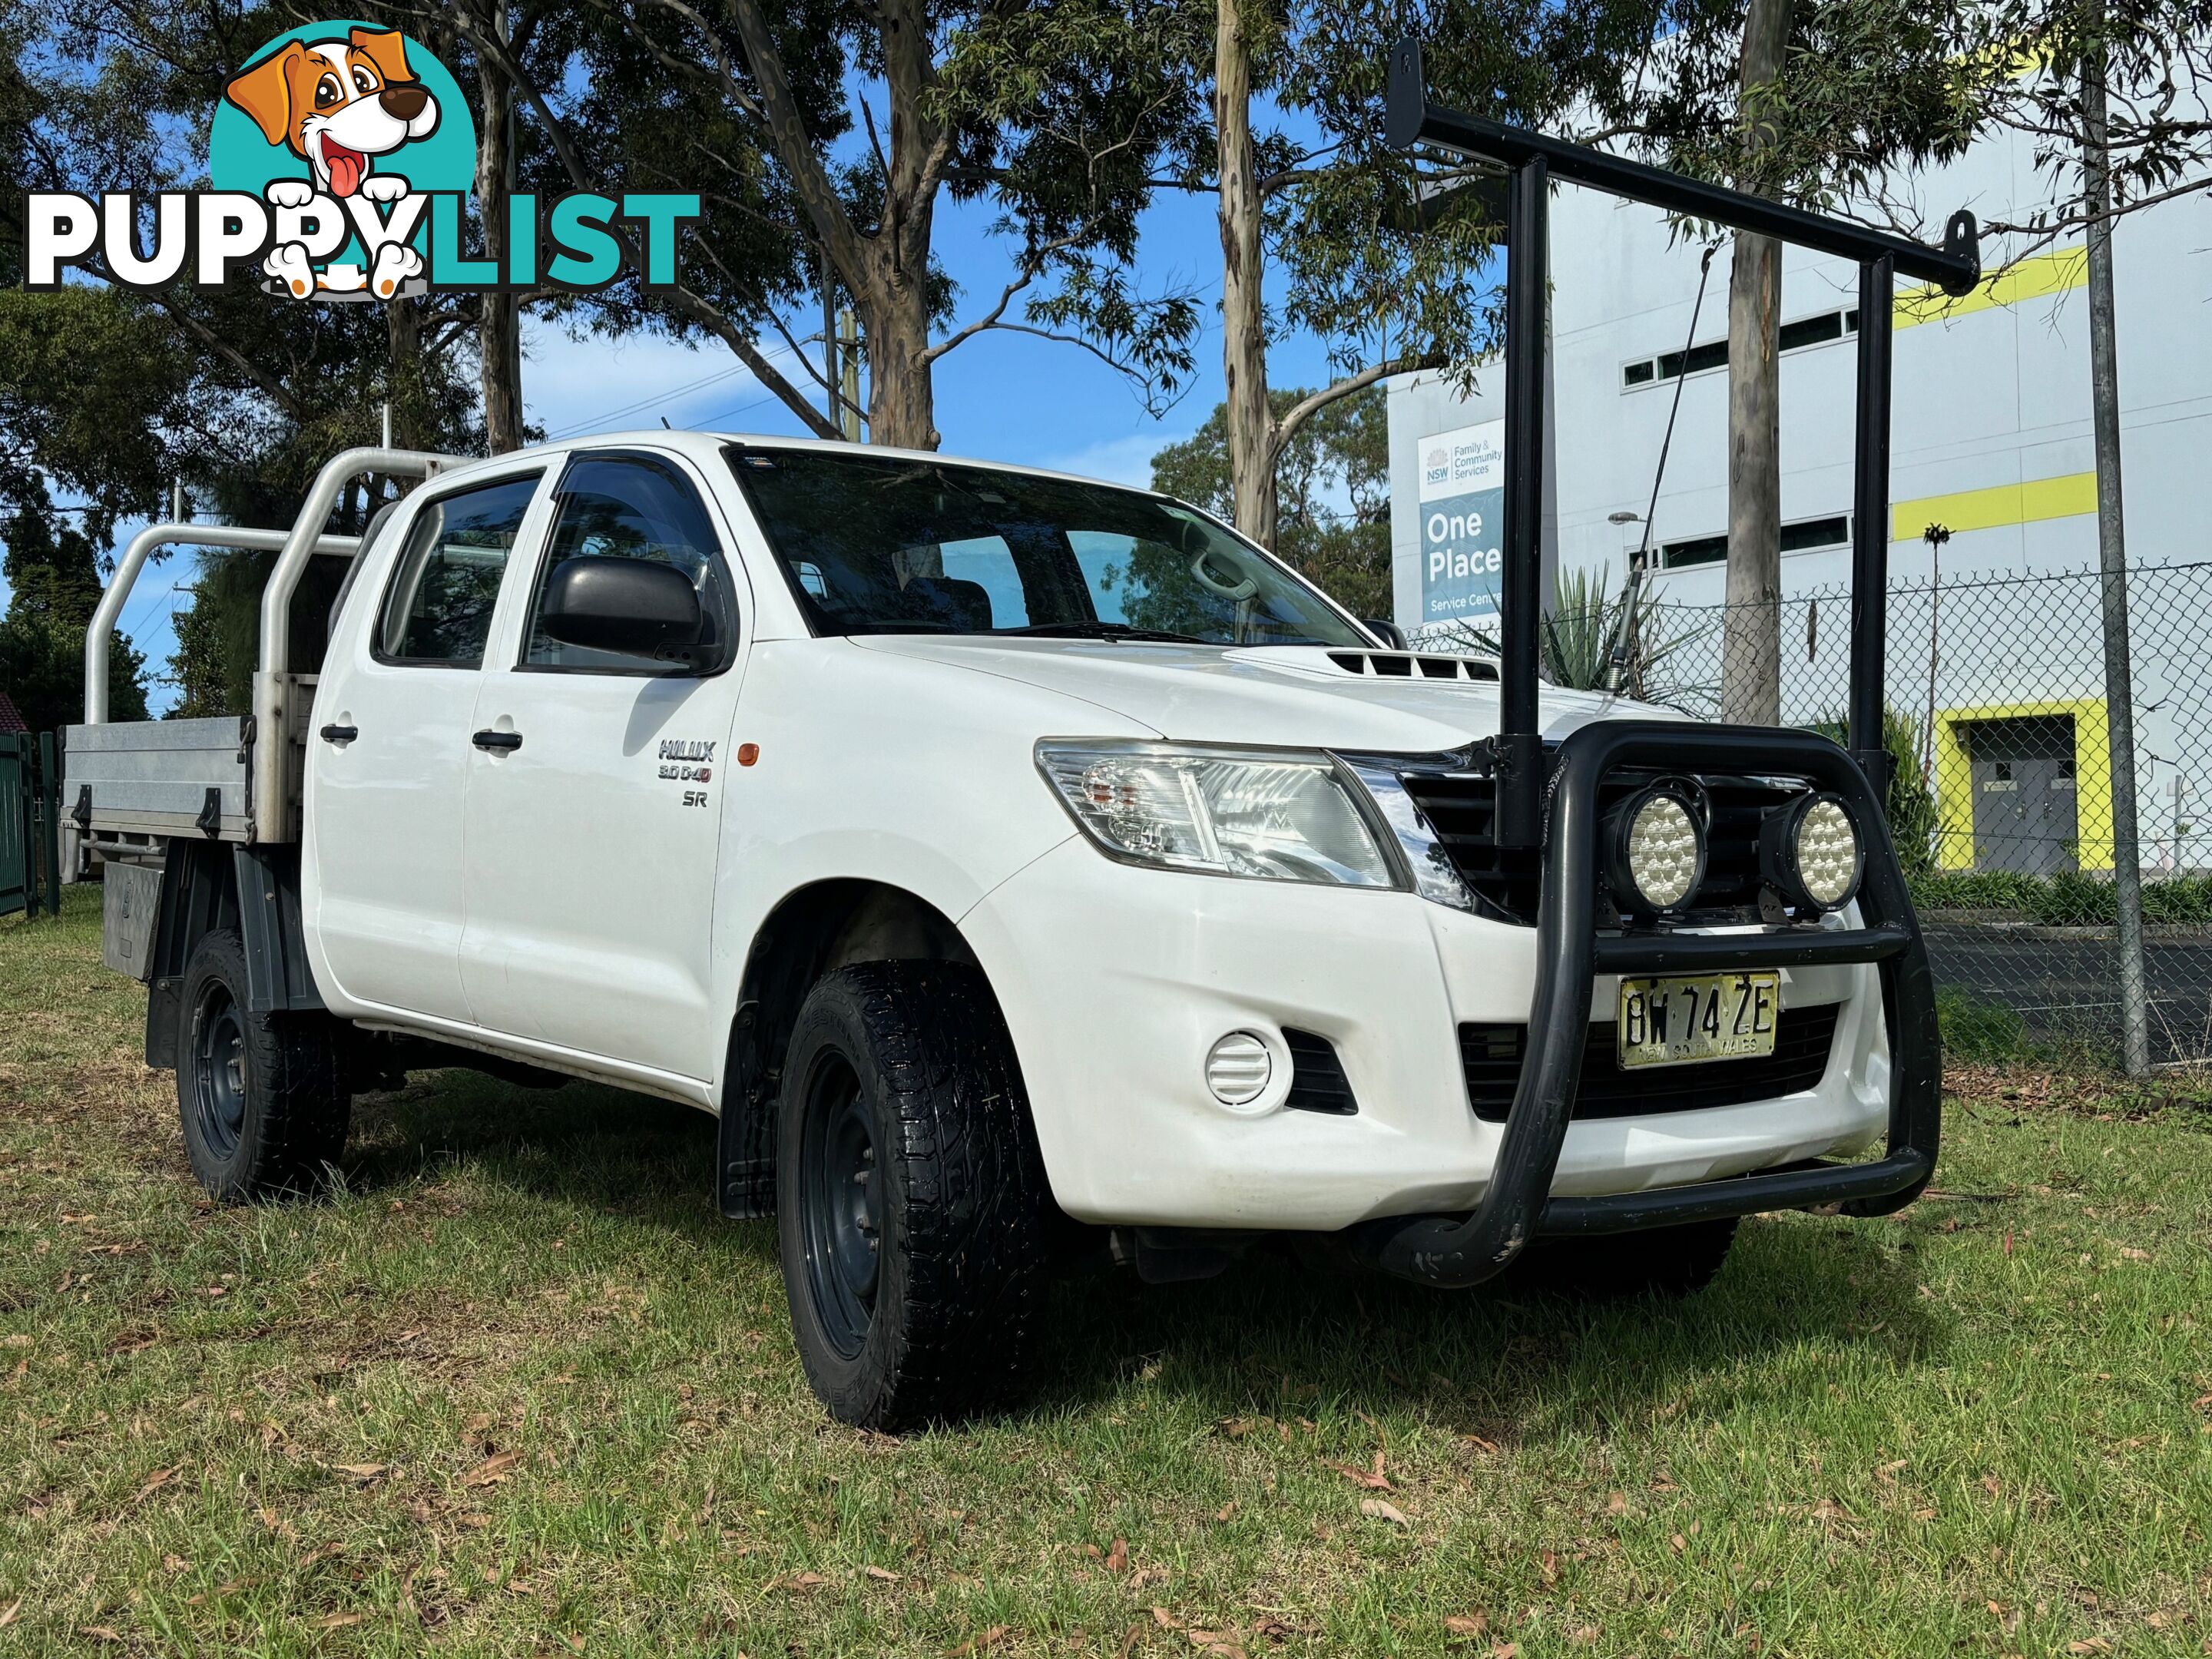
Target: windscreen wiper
(1101, 630)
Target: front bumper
(1115, 981)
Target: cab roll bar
(110, 609)
(272, 678)
(1532, 161)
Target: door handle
(340, 734)
(506, 741)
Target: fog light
(1810, 848)
(1238, 1069)
(1658, 848)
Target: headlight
(1277, 817)
(1809, 851)
(1656, 846)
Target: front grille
(1490, 1056)
(1461, 810)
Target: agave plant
(1592, 638)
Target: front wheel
(264, 1106)
(914, 1218)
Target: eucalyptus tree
(825, 137)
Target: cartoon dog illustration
(338, 105)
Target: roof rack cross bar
(1410, 121)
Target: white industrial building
(1990, 439)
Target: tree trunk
(1751, 644)
(2112, 563)
(1243, 320)
(499, 327)
(403, 374)
(902, 399)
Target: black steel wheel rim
(219, 1071)
(841, 1199)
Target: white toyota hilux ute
(1011, 861)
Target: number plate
(1692, 1017)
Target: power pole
(848, 350)
(2112, 561)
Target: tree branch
(1304, 411)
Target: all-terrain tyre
(1672, 1261)
(916, 1224)
(264, 1101)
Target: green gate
(30, 824)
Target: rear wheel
(916, 1224)
(263, 1109)
(1611, 1267)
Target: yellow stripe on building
(2035, 278)
(1999, 505)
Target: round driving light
(1826, 849)
(1237, 1069)
(1662, 850)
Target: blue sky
(1000, 395)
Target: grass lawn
(516, 1388)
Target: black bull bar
(1452, 1251)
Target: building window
(1809, 533)
(1803, 536)
(1713, 354)
(1704, 550)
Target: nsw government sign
(1463, 499)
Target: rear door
(595, 797)
(390, 750)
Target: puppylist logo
(338, 160)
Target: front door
(390, 754)
(2024, 798)
(595, 798)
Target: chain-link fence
(2004, 814)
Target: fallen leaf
(339, 1620)
(2093, 1644)
(361, 1471)
(1372, 1479)
(8, 1616)
(1548, 1564)
(1617, 1504)
(1117, 1558)
(1235, 1427)
(16, 1340)
(1585, 1636)
(154, 1481)
(2135, 1255)
(492, 1469)
(883, 1574)
(996, 1634)
(1381, 1508)
(1226, 1511)
(1479, 1444)
(1992, 1484)
(800, 1580)
(101, 1632)
(575, 1642)
(1165, 1619)
(1467, 1624)
(1680, 1543)
(1505, 1650)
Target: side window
(439, 607)
(631, 509)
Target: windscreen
(877, 545)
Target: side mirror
(633, 607)
(1389, 632)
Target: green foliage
(55, 587)
(1979, 1031)
(1333, 483)
(1909, 805)
(2068, 898)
